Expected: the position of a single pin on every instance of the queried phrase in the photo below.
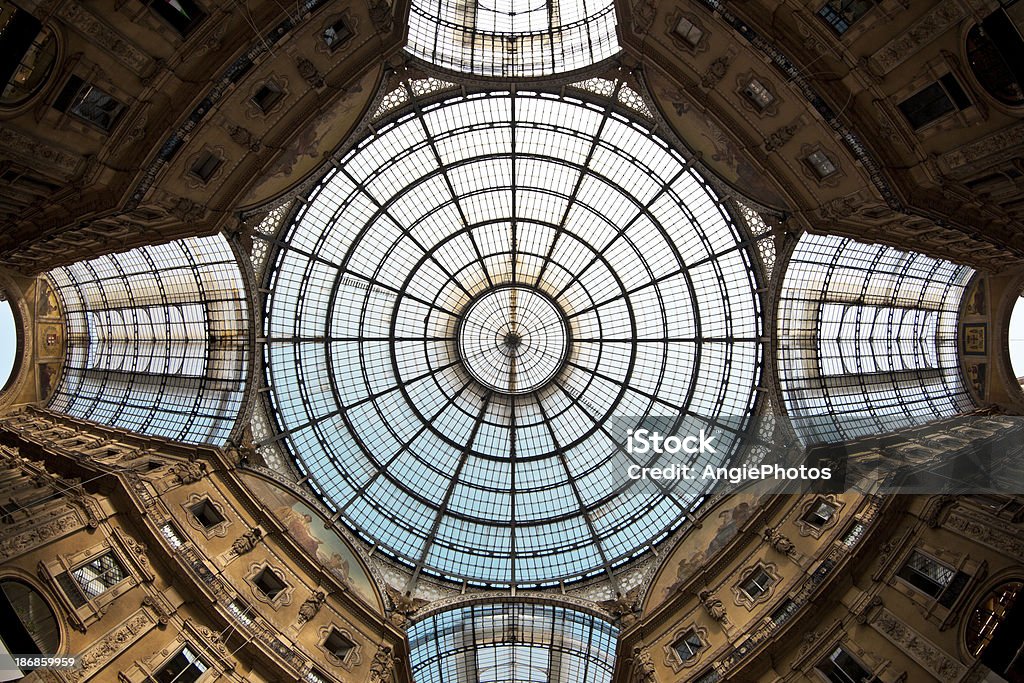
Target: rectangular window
(688, 31)
(687, 646)
(819, 514)
(820, 164)
(942, 97)
(267, 96)
(268, 583)
(933, 578)
(841, 667)
(183, 15)
(206, 165)
(337, 33)
(757, 584)
(758, 94)
(86, 102)
(337, 644)
(841, 14)
(184, 667)
(206, 514)
(99, 575)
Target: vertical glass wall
(867, 339)
(157, 340)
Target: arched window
(28, 52)
(28, 625)
(995, 629)
(994, 48)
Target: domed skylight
(471, 310)
(512, 38)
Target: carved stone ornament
(644, 12)
(110, 645)
(381, 15)
(186, 210)
(623, 608)
(779, 542)
(713, 606)
(934, 659)
(160, 607)
(188, 472)
(246, 541)
(715, 71)
(644, 670)
(382, 665)
(309, 608)
(780, 136)
(243, 136)
(310, 73)
(933, 511)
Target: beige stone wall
(77, 493)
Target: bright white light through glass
(470, 304)
(8, 342)
(512, 38)
(1017, 339)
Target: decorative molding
(111, 644)
(162, 609)
(932, 513)
(23, 542)
(100, 34)
(926, 29)
(987, 534)
(25, 147)
(923, 651)
(1005, 142)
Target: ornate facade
(180, 495)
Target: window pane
(98, 575)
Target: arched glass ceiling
(157, 340)
(867, 339)
(512, 38)
(512, 643)
(473, 307)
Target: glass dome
(512, 38)
(474, 306)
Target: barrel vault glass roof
(867, 339)
(470, 309)
(157, 340)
